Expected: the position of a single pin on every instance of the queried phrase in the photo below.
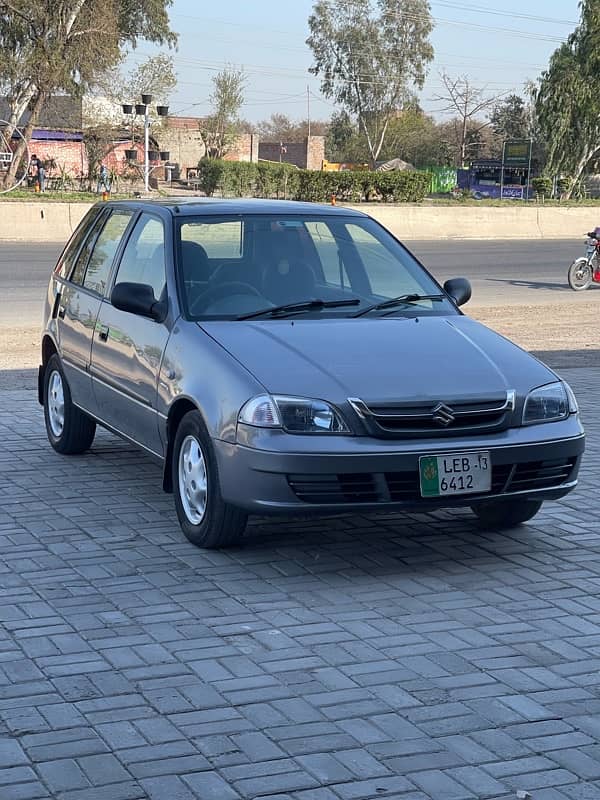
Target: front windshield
(236, 266)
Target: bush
(398, 187)
(239, 178)
(270, 179)
(542, 186)
(247, 179)
(210, 175)
(563, 185)
(275, 180)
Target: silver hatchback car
(292, 358)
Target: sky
(499, 44)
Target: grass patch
(18, 195)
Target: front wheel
(503, 514)
(69, 430)
(205, 518)
(580, 275)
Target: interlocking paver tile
(411, 656)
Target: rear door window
(98, 269)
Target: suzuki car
(289, 358)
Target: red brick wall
(116, 160)
(70, 157)
(307, 154)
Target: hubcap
(56, 404)
(193, 482)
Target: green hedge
(247, 179)
(395, 187)
(269, 179)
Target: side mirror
(137, 298)
(459, 290)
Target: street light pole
(146, 151)
(142, 110)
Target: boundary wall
(39, 221)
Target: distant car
(280, 357)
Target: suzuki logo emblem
(443, 415)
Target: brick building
(307, 154)
(59, 140)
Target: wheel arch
(49, 349)
(176, 413)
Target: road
(502, 273)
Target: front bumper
(275, 473)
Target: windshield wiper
(304, 305)
(405, 299)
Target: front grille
(332, 489)
(426, 419)
(404, 487)
(541, 474)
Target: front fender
(198, 368)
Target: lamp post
(142, 110)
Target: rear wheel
(502, 514)
(68, 429)
(205, 518)
(580, 275)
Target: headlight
(548, 404)
(573, 404)
(293, 414)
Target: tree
(567, 102)
(155, 75)
(280, 128)
(53, 46)
(370, 62)
(220, 129)
(467, 103)
(415, 137)
(511, 119)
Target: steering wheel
(222, 290)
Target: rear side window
(69, 254)
(84, 253)
(107, 243)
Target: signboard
(6, 157)
(517, 153)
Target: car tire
(69, 430)
(205, 518)
(503, 514)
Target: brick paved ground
(405, 657)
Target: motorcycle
(585, 271)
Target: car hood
(384, 360)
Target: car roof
(215, 206)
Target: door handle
(61, 312)
(103, 335)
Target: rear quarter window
(68, 256)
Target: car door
(75, 310)
(127, 348)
